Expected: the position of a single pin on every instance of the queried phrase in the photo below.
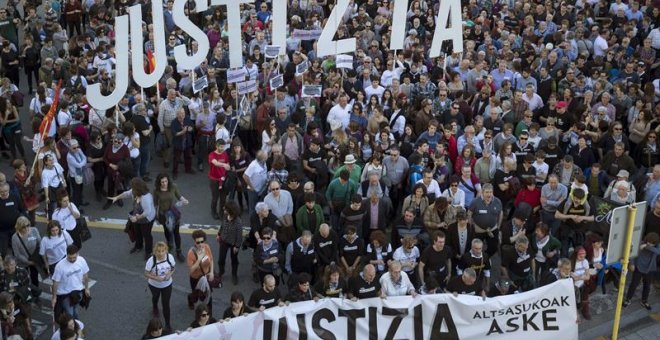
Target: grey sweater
(646, 260)
(31, 242)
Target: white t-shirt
(54, 248)
(65, 217)
(133, 151)
(52, 177)
(581, 268)
(69, 276)
(405, 258)
(600, 46)
(258, 175)
(161, 269)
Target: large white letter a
(442, 32)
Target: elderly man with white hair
(622, 175)
(622, 193)
(396, 282)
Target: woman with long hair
(269, 136)
(154, 329)
(237, 307)
(417, 200)
(332, 284)
(68, 214)
(142, 216)
(159, 270)
(379, 251)
(581, 275)
(53, 245)
(202, 317)
(638, 128)
(239, 159)
(52, 181)
(230, 238)
(167, 198)
(648, 150)
(11, 127)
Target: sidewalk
(636, 322)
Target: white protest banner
(272, 51)
(247, 87)
(200, 84)
(236, 75)
(276, 82)
(302, 67)
(548, 312)
(312, 91)
(307, 34)
(344, 61)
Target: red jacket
(531, 197)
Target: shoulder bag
(35, 258)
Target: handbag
(128, 229)
(83, 229)
(35, 258)
(88, 175)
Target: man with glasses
(522, 148)
(268, 256)
(280, 203)
(397, 167)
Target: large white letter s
(137, 48)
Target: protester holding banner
(435, 261)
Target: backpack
(155, 262)
(76, 87)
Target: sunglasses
(267, 238)
(275, 189)
(204, 314)
(199, 242)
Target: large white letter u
(94, 96)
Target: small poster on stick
(272, 51)
(344, 61)
(302, 67)
(312, 91)
(236, 75)
(247, 87)
(200, 84)
(276, 82)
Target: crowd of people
(406, 176)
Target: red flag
(151, 61)
(48, 119)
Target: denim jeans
(63, 305)
(145, 159)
